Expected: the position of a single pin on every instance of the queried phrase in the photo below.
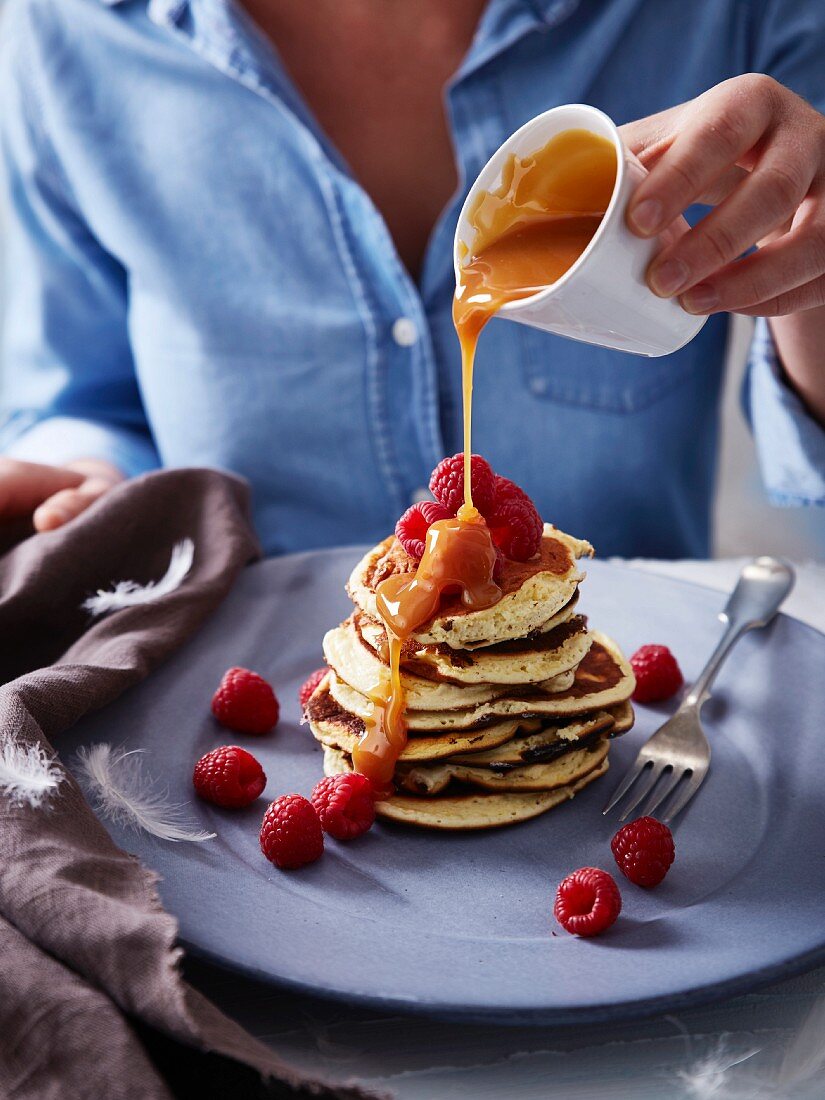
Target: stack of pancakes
(509, 710)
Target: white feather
(727, 1075)
(121, 792)
(28, 774)
(130, 593)
(711, 1075)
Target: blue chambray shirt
(195, 278)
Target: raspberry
(345, 805)
(447, 483)
(516, 528)
(587, 902)
(229, 777)
(644, 851)
(245, 703)
(658, 676)
(291, 833)
(508, 490)
(309, 685)
(411, 530)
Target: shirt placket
(401, 371)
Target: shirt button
(538, 385)
(421, 495)
(405, 332)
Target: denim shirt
(195, 278)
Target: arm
(69, 389)
(800, 341)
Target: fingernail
(647, 216)
(700, 299)
(669, 277)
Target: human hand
(755, 151)
(52, 495)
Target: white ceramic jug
(603, 298)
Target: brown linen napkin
(91, 1000)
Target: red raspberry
(508, 490)
(229, 777)
(587, 902)
(644, 851)
(658, 676)
(345, 805)
(291, 833)
(516, 528)
(411, 530)
(309, 685)
(245, 702)
(447, 483)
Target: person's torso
(276, 332)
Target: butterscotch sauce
(385, 734)
(459, 557)
(527, 234)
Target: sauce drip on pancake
(459, 556)
(527, 234)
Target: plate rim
(607, 1012)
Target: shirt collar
(504, 22)
(549, 11)
(501, 22)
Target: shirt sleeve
(790, 46)
(790, 443)
(68, 384)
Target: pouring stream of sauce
(527, 234)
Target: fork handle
(762, 587)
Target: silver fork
(675, 760)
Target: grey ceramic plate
(461, 925)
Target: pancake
(454, 718)
(623, 718)
(531, 660)
(468, 811)
(533, 592)
(354, 662)
(337, 728)
(432, 779)
(603, 679)
(372, 631)
(528, 747)
(556, 619)
(562, 681)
